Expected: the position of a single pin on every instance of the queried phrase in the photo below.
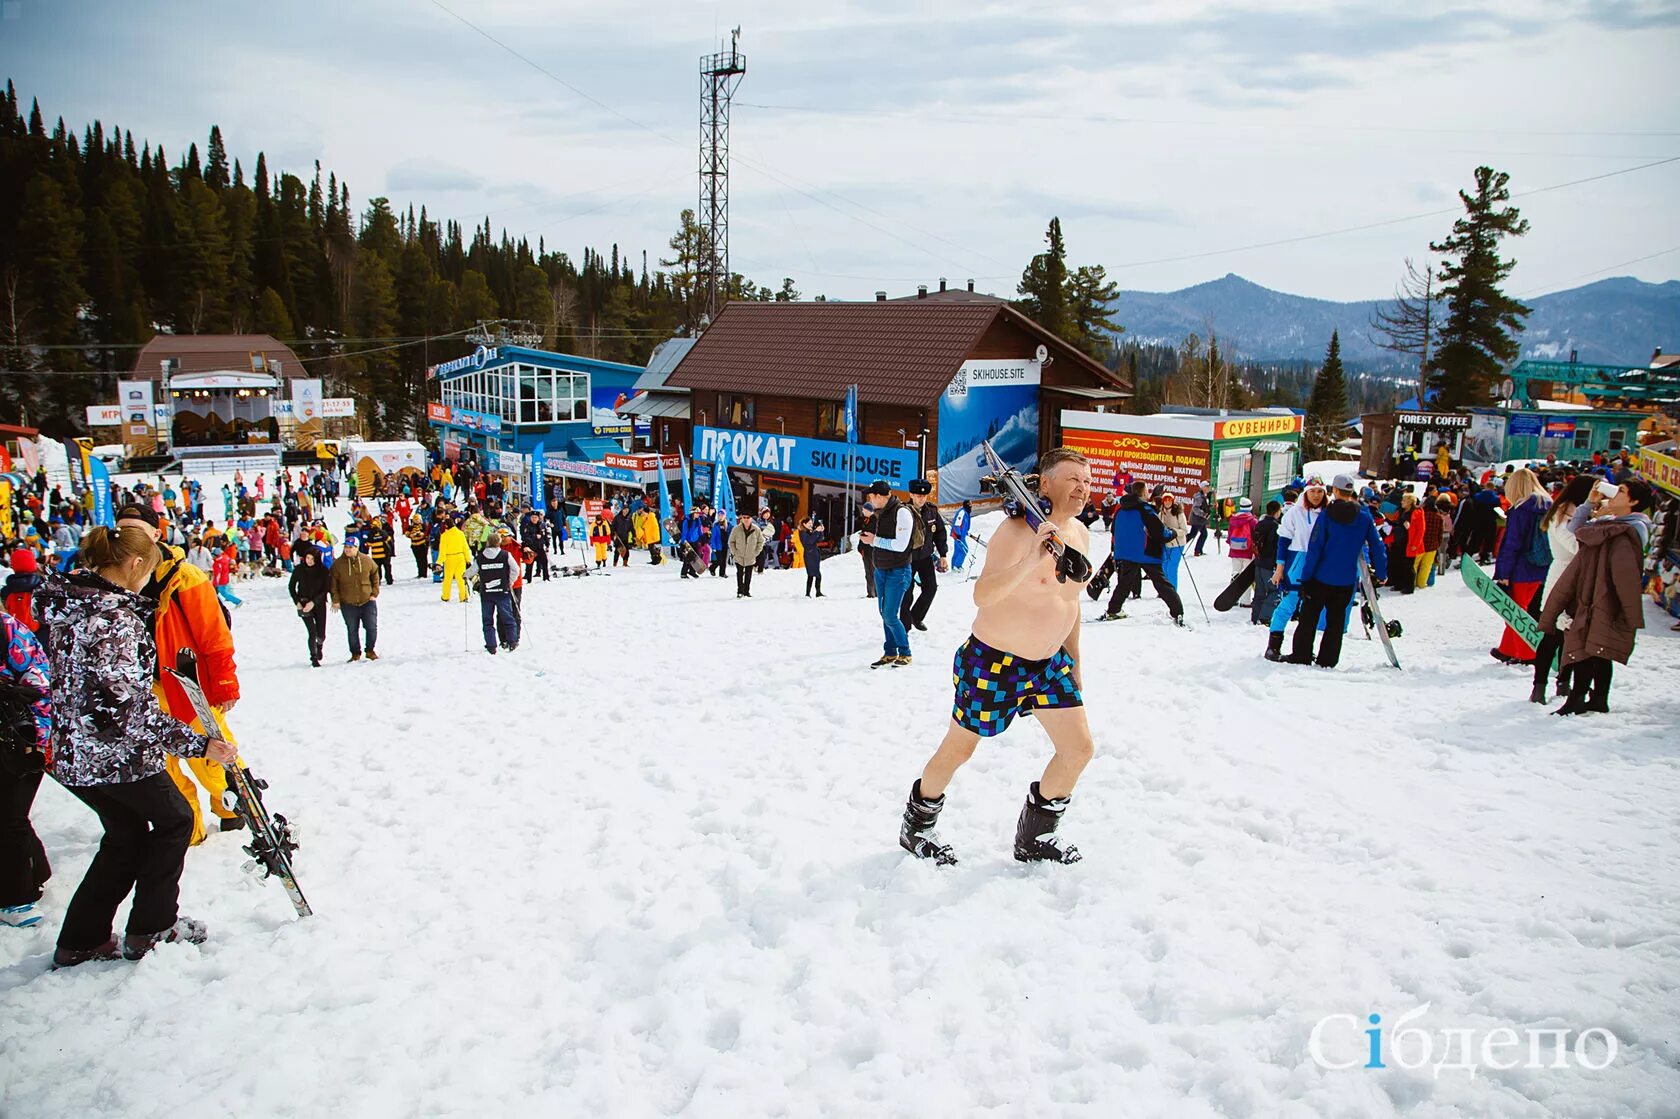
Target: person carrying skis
(110, 736)
(1022, 655)
(1330, 571)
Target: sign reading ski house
(935, 375)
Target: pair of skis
(271, 843)
(1019, 500)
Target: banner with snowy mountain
(996, 400)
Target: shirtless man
(1023, 656)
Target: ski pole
(1198, 591)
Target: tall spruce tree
(1327, 407)
(1044, 286)
(1478, 337)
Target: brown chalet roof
(211, 353)
(902, 353)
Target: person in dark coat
(1139, 542)
(928, 560)
(1266, 592)
(810, 543)
(1517, 570)
(308, 587)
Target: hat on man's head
(879, 486)
(1245, 505)
(921, 486)
(134, 511)
(1346, 482)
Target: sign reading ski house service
(822, 459)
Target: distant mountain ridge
(1618, 320)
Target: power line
(1103, 118)
(1599, 272)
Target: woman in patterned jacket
(109, 739)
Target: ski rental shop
(935, 374)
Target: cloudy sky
(886, 143)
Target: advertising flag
(665, 512)
(851, 414)
(723, 494)
(101, 480)
(688, 497)
(539, 499)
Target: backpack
(20, 753)
(1539, 551)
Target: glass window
(1617, 438)
(528, 394)
(831, 421)
(1583, 438)
(735, 411)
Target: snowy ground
(615, 875)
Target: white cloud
(948, 134)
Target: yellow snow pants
(454, 574)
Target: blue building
(509, 398)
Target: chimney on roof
(921, 291)
(880, 297)
(971, 285)
(942, 283)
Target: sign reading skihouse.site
(806, 458)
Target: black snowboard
(1233, 593)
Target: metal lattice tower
(720, 74)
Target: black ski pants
(147, 826)
(538, 562)
(743, 578)
(315, 623)
(1316, 598)
(1128, 579)
(813, 577)
(914, 609)
(23, 861)
(420, 561)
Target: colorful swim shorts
(993, 686)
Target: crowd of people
(96, 615)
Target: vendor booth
(1659, 463)
(1252, 454)
(374, 464)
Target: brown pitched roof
(210, 353)
(895, 352)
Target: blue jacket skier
(1330, 570)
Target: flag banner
(665, 513)
(688, 497)
(539, 499)
(851, 414)
(101, 481)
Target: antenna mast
(720, 74)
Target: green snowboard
(1482, 585)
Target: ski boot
(136, 945)
(1036, 840)
(917, 835)
(1274, 646)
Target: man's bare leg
(927, 797)
(1070, 733)
(955, 749)
(1035, 833)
